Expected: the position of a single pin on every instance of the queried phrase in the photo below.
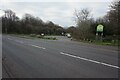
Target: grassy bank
(33, 36)
(105, 43)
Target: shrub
(38, 36)
(32, 35)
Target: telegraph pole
(5, 20)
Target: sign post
(99, 31)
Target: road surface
(0, 56)
(35, 58)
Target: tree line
(86, 25)
(85, 28)
(29, 24)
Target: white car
(42, 34)
(68, 35)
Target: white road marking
(9, 38)
(90, 60)
(19, 41)
(38, 46)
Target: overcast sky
(58, 11)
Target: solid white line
(38, 46)
(90, 60)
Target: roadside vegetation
(85, 29)
(34, 36)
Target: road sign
(100, 28)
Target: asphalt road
(34, 58)
(0, 56)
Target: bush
(39, 36)
(54, 38)
(107, 39)
(32, 35)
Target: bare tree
(114, 16)
(83, 20)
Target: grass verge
(34, 36)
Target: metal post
(101, 36)
(5, 20)
(96, 36)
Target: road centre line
(90, 60)
(78, 57)
(38, 47)
(28, 44)
(9, 38)
(19, 41)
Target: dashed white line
(28, 44)
(9, 38)
(20, 41)
(38, 47)
(90, 60)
